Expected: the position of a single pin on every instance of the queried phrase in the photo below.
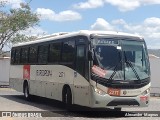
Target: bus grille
(128, 102)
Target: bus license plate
(114, 92)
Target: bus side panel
(32, 82)
(62, 75)
(51, 90)
(81, 91)
(48, 80)
(51, 85)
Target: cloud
(118, 22)
(34, 31)
(149, 29)
(122, 5)
(67, 16)
(101, 24)
(48, 14)
(13, 3)
(153, 21)
(45, 13)
(147, 2)
(127, 5)
(89, 4)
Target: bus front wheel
(67, 98)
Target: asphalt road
(14, 102)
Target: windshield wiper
(130, 64)
(115, 69)
(97, 78)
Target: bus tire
(118, 109)
(67, 98)
(26, 92)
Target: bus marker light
(144, 98)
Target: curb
(155, 94)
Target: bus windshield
(120, 59)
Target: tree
(13, 22)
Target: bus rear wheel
(26, 92)
(67, 98)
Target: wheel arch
(65, 86)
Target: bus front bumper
(107, 101)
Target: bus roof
(87, 33)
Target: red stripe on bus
(26, 72)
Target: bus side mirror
(90, 55)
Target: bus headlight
(146, 92)
(99, 91)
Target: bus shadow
(56, 108)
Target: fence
(155, 76)
(4, 71)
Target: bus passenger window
(17, 56)
(33, 55)
(68, 54)
(13, 56)
(24, 55)
(80, 60)
(68, 51)
(54, 52)
(42, 54)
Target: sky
(140, 17)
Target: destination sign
(106, 41)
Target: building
(155, 74)
(4, 70)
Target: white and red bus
(97, 69)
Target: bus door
(81, 85)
